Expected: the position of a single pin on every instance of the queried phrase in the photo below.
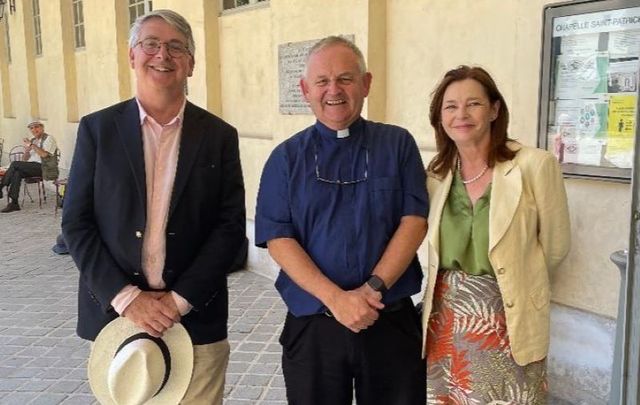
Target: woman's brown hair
(447, 151)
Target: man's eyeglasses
(340, 181)
(152, 46)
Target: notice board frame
(573, 114)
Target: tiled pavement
(42, 361)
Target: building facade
(61, 59)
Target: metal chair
(39, 182)
(61, 185)
(16, 154)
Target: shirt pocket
(386, 198)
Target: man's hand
(373, 297)
(168, 300)
(27, 144)
(357, 309)
(151, 312)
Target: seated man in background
(41, 145)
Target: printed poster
(580, 130)
(581, 76)
(624, 44)
(580, 44)
(621, 129)
(623, 77)
(583, 118)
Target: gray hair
(170, 17)
(336, 40)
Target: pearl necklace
(475, 178)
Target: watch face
(376, 283)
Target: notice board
(588, 113)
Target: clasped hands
(356, 309)
(153, 311)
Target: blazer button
(138, 234)
(501, 270)
(508, 304)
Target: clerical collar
(354, 128)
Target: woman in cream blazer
(528, 236)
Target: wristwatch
(377, 284)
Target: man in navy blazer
(154, 211)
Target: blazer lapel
(128, 128)
(190, 141)
(505, 196)
(438, 192)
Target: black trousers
(16, 172)
(323, 361)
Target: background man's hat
(127, 366)
(34, 122)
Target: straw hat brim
(109, 340)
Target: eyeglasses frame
(341, 182)
(166, 44)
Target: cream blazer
(529, 236)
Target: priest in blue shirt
(342, 209)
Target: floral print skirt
(468, 352)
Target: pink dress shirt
(161, 144)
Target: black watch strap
(377, 284)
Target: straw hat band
(163, 349)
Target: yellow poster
(621, 128)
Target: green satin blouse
(464, 231)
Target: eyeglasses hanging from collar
(340, 181)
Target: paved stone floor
(42, 361)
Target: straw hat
(127, 366)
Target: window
(37, 31)
(7, 39)
(138, 8)
(78, 23)
(229, 4)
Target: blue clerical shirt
(344, 228)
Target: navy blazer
(104, 216)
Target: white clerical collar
(342, 133)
